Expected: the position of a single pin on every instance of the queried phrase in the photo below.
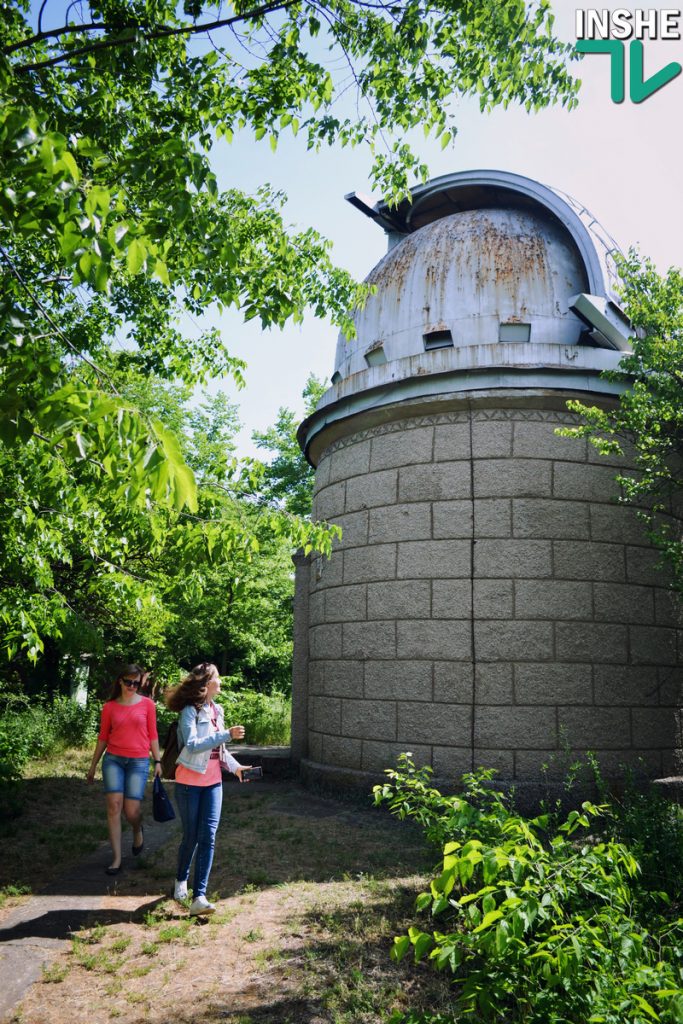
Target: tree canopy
(115, 239)
(288, 478)
(647, 423)
(103, 578)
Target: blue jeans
(126, 775)
(200, 811)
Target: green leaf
(490, 918)
(136, 254)
(71, 165)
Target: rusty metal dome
(459, 278)
(491, 280)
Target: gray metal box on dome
(490, 602)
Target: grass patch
(12, 893)
(119, 945)
(102, 962)
(62, 820)
(141, 971)
(266, 957)
(55, 973)
(174, 931)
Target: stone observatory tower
(490, 603)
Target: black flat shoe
(137, 850)
(113, 871)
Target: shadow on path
(33, 934)
(62, 924)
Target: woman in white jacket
(198, 781)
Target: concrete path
(33, 934)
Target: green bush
(266, 717)
(539, 921)
(651, 825)
(72, 724)
(32, 728)
(164, 719)
(22, 734)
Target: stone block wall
(489, 604)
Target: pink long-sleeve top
(129, 729)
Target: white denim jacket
(197, 738)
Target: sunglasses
(134, 683)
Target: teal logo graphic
(639, 87)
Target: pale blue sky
(623, 162)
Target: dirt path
(310, 892)
(36, 931)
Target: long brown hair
(192, 689)
(127, 670)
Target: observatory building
(490, 603)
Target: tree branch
(162, 33)
(54, 33)
(101, 375)
(40, 15)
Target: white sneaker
(201, 907)
(180, 890)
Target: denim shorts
(126, 775)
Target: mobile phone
(249, 774)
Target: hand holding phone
(249, 773)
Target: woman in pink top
(128, 731)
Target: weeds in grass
(149, 948)
(101, 962)
(174, 931)
(160, 914)
(95, 935)
(268, 956)
(11, 891)
(223, 917)
(55, 973)
(137, 997)
(141, 971)
(255, 935)
(259, 878)
(120, 944)
(353, 996)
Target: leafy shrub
(650, 824)
(482, 815)
(538, 921)
(22, 734)
(266, 717)
(73, 724)
(32, 728)
(164, 719)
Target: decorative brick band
(448, 418)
